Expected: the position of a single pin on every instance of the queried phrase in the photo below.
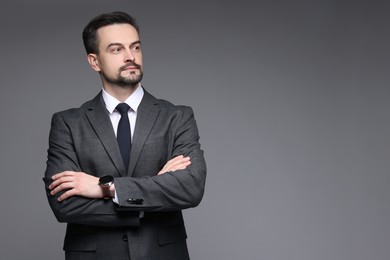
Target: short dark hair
(89, 33)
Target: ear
(93, 61)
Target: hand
(178, 163)
(75, 183)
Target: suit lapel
(100, 121)
(146, 117)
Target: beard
(129, 81)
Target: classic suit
(83, 139)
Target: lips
(130, 67)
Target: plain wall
(291, 100)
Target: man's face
(120, 58)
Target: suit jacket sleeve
(76, 209)
(173, 190)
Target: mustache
(133, 64)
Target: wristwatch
(105, 183)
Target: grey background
(292, 103)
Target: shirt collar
(133, 100)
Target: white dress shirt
(133, 101)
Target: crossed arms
(72, 183)
(75, 196)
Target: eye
(136, 48)
(116, 49)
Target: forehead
(117, 33)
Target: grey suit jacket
(83, 139)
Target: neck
(119, 92)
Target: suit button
(125, 238)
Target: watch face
(106, 179)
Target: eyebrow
(121, 44)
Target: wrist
(105, 183)
(112, 190)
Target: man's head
(90, 39)
(114, 49)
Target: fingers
(178, 163)
(63, 174)
(172, 164)
(66, 195)
(75, 183)
(61, 187)
(62, 181)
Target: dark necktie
(123, 135)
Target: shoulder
(166, 106)
(79, 112)
(178, 115)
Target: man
(119, 174)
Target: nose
(128, 56)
